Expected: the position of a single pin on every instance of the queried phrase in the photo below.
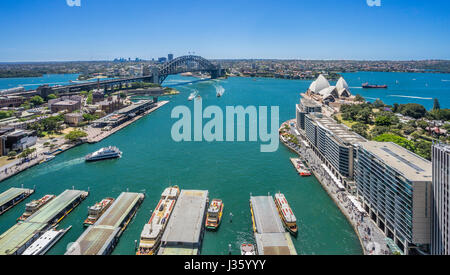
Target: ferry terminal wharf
(102, 237)
(270, 235)
(185, 230)
(20, 236)
(12, 197)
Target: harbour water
(230, 171)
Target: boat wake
(220, 90)
(415, 97)
(445, 80)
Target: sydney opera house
(333, 96)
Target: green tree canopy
(413, 110)
(37, 100)
(75, 135)
(405, 143)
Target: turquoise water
(31, 83)
(230, 171)
(403, 87)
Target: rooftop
(339, 131)
(186, 223)
(410, 165)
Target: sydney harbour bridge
(157, 75)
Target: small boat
(214, 214)
(152, 233)
(248, 250)
(192, 96)
(104, 153)
(43, 244)
(369, 86)
(286, 214)
(32, 207)
(47, 159)
(301, 168)
(97, 210)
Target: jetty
(270, 235)
(17, 239)
(185, 230)
(102, 237)
(12, 197)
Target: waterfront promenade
(372, 239)
(96, 134)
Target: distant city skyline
(50, 30)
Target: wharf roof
(266, 215)
(10, 194)
(186, 223)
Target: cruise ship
(45, 242)
(104, 153)
(154, 229)
(97, 210)
(32, 207)
(286, 214)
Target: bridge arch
(180, 65)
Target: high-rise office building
(395, 187)
(170, 57)
(440, 233)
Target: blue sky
(50, 30)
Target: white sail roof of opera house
(320, 84)
(341, 84)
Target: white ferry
(286, 214)
(45, 242)
(154, 229)
(104, 153)
(248, 250)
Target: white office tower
(440, 244)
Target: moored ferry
(154, 229)
(286, 214)
(45, 242)
(32, 207)
(248, 249)
(214, 214)
(97, 210)
(301, 167)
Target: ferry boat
(214, 214)
(104, 153)
(248, 250)
(45, 242)
(301, 167)
(154, 229)
(32, 207)
(368, 86)
(286, 214)
(97, 210)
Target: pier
(186, 227)
(102, 237)
(20, 236)
(270, 234)
(12, 197)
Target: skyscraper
(170, 56)
(440, 234)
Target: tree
(12, 154)
(436, 106)
(383, 121)
(379, 130)
(395, 108)
(37, 100)
(89, 117)
(359, 98)
(27, 152)
(360, 129)
(405, 143)
(414, 110)
(422, 124)
(5, 114)
(51, 96)
(423, 149)
(379, 104)
(75, 135)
